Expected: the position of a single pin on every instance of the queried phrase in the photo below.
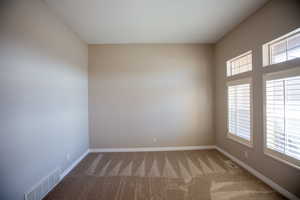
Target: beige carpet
(180, 175)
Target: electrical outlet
(154, 140)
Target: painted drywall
(141, 92)
(43, 96)
(276, 18)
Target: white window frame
(228, 63)
(248, 143)
(272, 153)
(267, 58)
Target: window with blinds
(282, 49)
(240, 111)
(240, 64)
(282, 115)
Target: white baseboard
(143, 149)
(265, 179)
(35, 191)
(74, 164)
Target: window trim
(231, 135)
(228, 63)
(269, 152)
(266, 48)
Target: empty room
(149, 99)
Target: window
(282, 49)
(239, 99)
(240, 111)
(240, 64)
(282, 115)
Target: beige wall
(276, 18)
(141, 92)
(136, 93)
(43, 96)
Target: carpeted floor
(177, 175)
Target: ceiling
(153, 21)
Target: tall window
(282, 115)
(239, 99)
(282, 49)
(240, 110)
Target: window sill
(281, 66)
(240, 140)
(282, 158)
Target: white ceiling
(153, 21)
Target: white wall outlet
(154, 140)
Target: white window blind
(282, 113)
(239, 110)
(240, 64)
(282, 49)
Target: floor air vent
(39, 191)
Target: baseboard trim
(74, 164)
(260, 176)
(144, 149)
(60, 177)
